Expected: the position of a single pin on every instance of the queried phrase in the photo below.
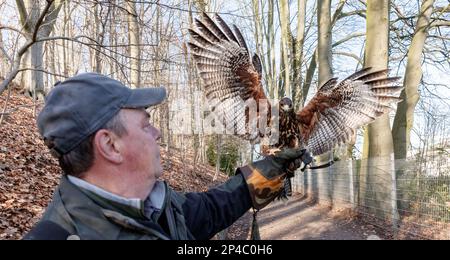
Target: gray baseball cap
(79, 106)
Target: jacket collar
(134, 207)
(89, 212)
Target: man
(100, 132)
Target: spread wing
(230, 76)
(338, 109)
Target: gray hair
(81, 158)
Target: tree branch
(338, 12)
(361, 13)
(41, 70)
(41, 19)
(3, 27)
(50, 19)
(442, 9)
(23, 14)
(351, 55)
(16, 65)
(440, 23)
(6, 54)
(349, 37)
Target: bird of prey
(230, 75)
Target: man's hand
(265, 178)
(291, 159)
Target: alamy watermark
(226, 116)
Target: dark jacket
(183, 216)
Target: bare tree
(264, 32)
(324, 50)
(324, 45)
(404, 117)
(380, 171)
(35, 27)
(135, 41)
(298, 54)
(4, 58)
(286, 42)
(36, 24)
(311, 69)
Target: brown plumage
(232, 76)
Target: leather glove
(265, 178)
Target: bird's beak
(285, 107)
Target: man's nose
(156, 133)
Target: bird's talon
(273, 151)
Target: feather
(226, 29)
(334, 113)
(208, 22)
(240, 38)
(228, 74)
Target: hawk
(230, 75)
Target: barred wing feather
(338, 109)
(230, 76)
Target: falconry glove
(265, 178)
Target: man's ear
(108, 146)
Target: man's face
(141, 149)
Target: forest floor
(302, 219)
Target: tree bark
(298, 55)
(134, 40)
(324, 52)
(3, 58)
(270, 39)
(30, 13)
(376, 56)
(97, 59)
(286, 43)
(43, 24)
(265, 40)
(404, 118)
(378, 172)
(324, 46)
(313, 63)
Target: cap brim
(145, 97)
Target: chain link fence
(409, 198)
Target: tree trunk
(281, 80)
(404, 117)
(134, 40)
(3, 59)
(298, 55)
(286, 43)
(379, 175)
(376, 56)
(324, 52)
(37, 76)
(52, 58)
(113, 39)
(265, 40)
(218, 155)
(314, 59)
(270, 39)
(65, 44)
(309, 75)
(97, 60)
(324, 46)
(29, 13)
